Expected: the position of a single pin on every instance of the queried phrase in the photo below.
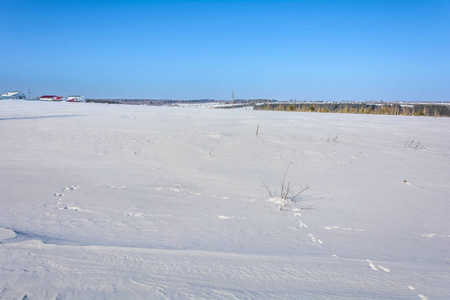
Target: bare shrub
(413, 145)
(287, 193)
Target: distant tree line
(239, 103)
(156, 102)
(434, 110)
(108, 101)
(253, 101)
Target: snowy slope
(146, 202)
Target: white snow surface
(139, 202)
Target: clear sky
(304, 50)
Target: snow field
(124, 201)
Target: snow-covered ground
(119, 202)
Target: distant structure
(51, 98)
(75, 98)
(232, 99)
(13, 96)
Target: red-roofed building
(49, 97)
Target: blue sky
(312, 50)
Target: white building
(75, 98)
(50, 98)
(13, 96)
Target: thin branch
(285, 173)
(296, 195)
(269, 191)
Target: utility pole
(232, 99)
(29, 93)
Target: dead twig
(269, 191)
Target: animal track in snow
(422, 297)
(177, 189)
(67, 207)
(135, 214)
(228, 217)
(344, 228)
(75, 208)
(373, 267)
(247, 200)
(331, 227)
(300, 223)
(314, 239)
(433, 235)
(70, 188)
(146, 215)
(384, 269)
(215, 136)
(116, 187)
(67, 188)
